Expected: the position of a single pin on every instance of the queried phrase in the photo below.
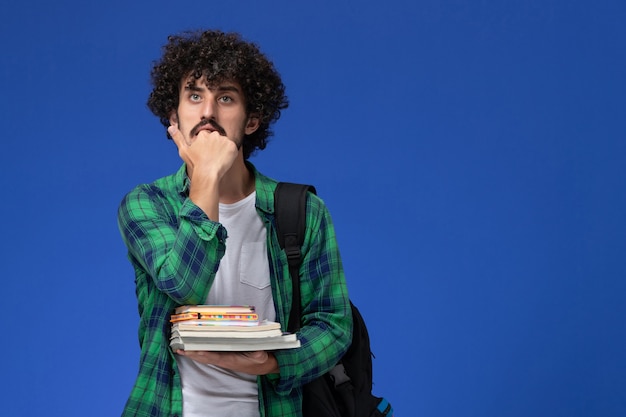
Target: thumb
(177, 135)
(181, 144)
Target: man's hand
(253, 363)
(208, 156)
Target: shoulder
(157, 192)
(265, 187)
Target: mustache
(213, 123)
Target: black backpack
(346, 390)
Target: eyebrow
(220, 88)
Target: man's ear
(253, 123)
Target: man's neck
(237, 184)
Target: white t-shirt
(242, 279)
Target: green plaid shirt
(175, 251)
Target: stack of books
(226, 328)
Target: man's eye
(195, 97)
(225, 99)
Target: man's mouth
(207, 124)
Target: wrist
(206, 196)
(272, 366)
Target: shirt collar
(264, 187)
(182, 180)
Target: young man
(206, 235)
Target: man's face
(219, 107)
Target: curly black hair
(219, 56)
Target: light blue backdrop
(472, 154)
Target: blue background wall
(472, 154)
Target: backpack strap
(335, 387)
(290, 216)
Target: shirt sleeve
(326, 322)
(176, 244)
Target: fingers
(226, 359)
(207, 153)
(259, 356)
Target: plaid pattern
(175, 251)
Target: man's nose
(209, 109)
